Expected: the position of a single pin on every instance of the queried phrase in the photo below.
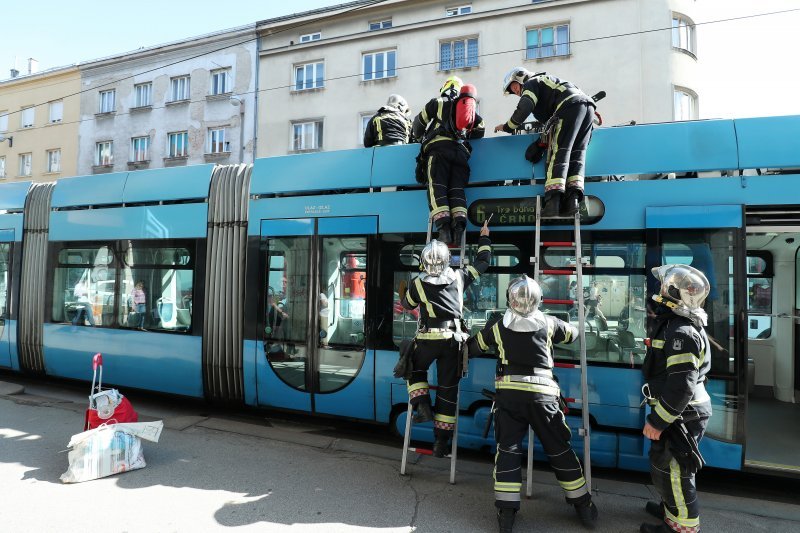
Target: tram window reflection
(5, 266)
(84, 283)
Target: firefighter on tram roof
(390, 125)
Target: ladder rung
(582, 432)
(572, 400)
(551, 272)
(421, 451)
(553, 301)
(559, 243)
(565, 365)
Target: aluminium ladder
(584, 431)
(410, 409)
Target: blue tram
(274, 284)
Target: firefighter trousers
(570, 136)
(675, 483)
(447, 169)
(515, 411)
(448, 373)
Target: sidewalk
(214, 474)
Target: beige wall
(39, 89)
(638, 72)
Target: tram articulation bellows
(410, 409)
(577, 270)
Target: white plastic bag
(109, 450)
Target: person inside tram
(675, 368)
(390, 125)
(83, 305)
(138, 304)
(527, 395)
(568, 117)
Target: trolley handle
(97, 361)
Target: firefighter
(445, 159)
(438, 292)
(568, 115)
(675, 369)
(390, 125)
(528, 395)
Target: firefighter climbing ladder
(410, 409)
(539, 246)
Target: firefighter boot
(441, 446)
(653, 528)
(505, 519)
(655, 509)
(571, 202)
(552, 204)
(424, 413)
(445, 234)
(459, 225)
(587, 513)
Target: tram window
(5, 267)
(84, 285)
(156, 286)
(759, 295)
(622, 255)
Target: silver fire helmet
(517, 74)
(398, 102)
(524, 296)
(435, 257)
(683, 285)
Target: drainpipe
(255, 105)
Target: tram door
(6, 236)
(315, 305)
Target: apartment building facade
(323, 73)
(39, 114)
(182, 103)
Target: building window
(458, 10)
(364, 119)
(308, 37)
(685, 104)
(379, 65)
(143, 95)
(309, 76)
(683, 34)
(307, 136)
(216, 141)
(548, 41)
(220, 81)
(3, 120)
(27, 117)
(103, 153)
(54, 160)
(2, 167)
(179, 88)
(140, 149)
(458, 54)
(178, 144)
(107, 101)
(380, 25)
(24, 164)
(56, 111)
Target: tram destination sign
(522, 212)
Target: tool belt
(445, 329)
(536, 383)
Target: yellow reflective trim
(511, 124)
(444, 418)
(423, 298)
(484, 248)
(472, 270)
(499, 342)
(439, 106)
(677, 493)
(553, 151)
(573, 179)
(507, 486)
(481, 342)
(565, 100)
(377, 121)
(553, 85)
(567, 336)
(685, 522)
(433, 336)
(657, 343)
(410, 299)
(432, 198)
(531, 95)
(424, 115)
(437, 139)
(418, 386)
(682, 358)
(664, 414)
(455, 210)
(527, 387)
(573, 485)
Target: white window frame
(302, 67)
(178, 153)
(108, 101)
(56, 111)
(54, 160)
(143, 94)
(694, 108)
(224, 84)
(216, 141)
(101, 159)
(4, 120)
(316, 137)
(2, 167)
(456, 11)
(363, 121)
(557, 49)
(175, 85)
(377, 25)
(27, 117)
(25, 164)
(383, 74)
(309, 37)
(452, 43)
(140, 149)
(684, 36)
